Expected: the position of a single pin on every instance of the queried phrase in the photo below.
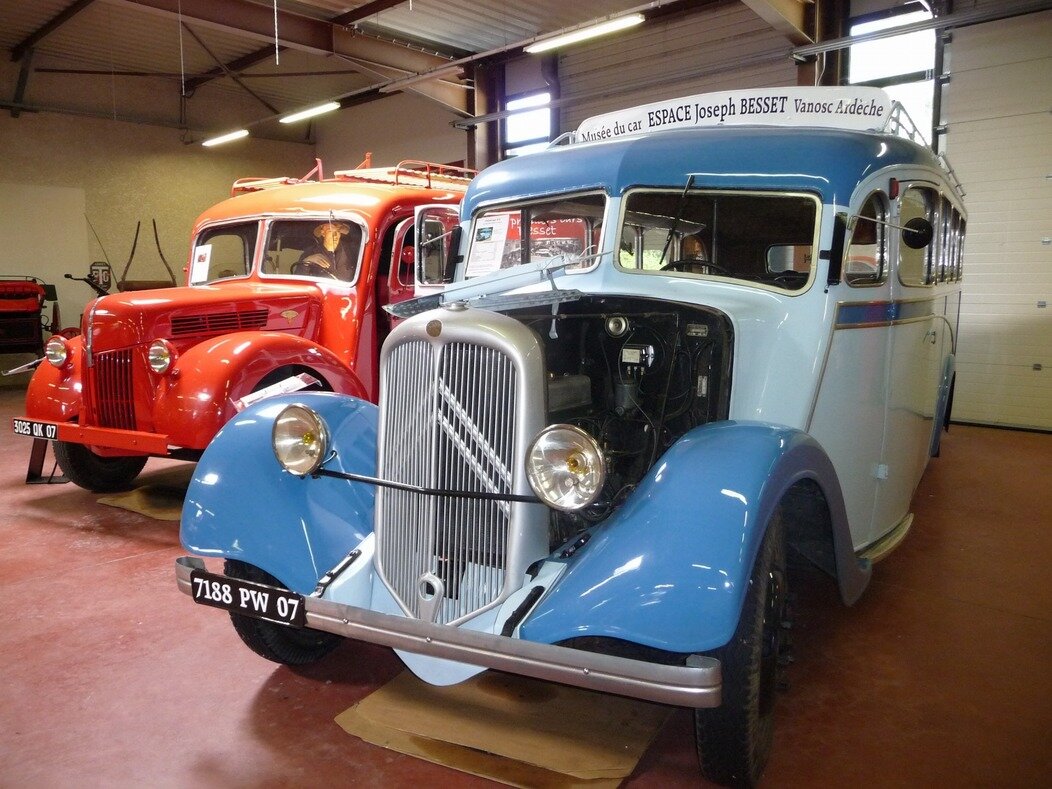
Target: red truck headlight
(57, 351)
(161, 356)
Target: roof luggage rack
(245, 185)
(408, 172)
(412, 172)
(901, 124)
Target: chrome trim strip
(882, 313)
(89, 360)
(684, 686)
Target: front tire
(290, 646)
(94, 472)
(734, 739)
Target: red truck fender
(53, 394)
(197, 397)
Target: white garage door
(998, 110)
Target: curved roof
(830, 162)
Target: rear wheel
(291, 646)
(734, 739)
(95, 472)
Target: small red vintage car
(285, 287)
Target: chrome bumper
(697, 685)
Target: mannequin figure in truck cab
(329, 257)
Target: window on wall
(529, 126)
(903, 65)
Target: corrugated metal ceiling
(125, 40)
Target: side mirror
(437, 234)
(917, 233)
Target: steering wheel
(313, 266)
(690, 264)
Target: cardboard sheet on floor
(158, 495)
(518, 731)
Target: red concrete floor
(939, 676)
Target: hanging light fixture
(234, 135)
(585, 33)
(321, 109)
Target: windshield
(515, 235)
(223, 252)
(325, 249)
(319, 248)
(757, 237)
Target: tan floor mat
(158, 495)
(518, 731)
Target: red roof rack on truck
(408, 172)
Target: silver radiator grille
(448, 423)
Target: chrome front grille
(451, 421)
(112, 386)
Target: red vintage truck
(285, 286)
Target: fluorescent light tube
(602, 28)
(235, 135)
(329, 106)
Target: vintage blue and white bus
(695, 336)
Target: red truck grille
(218, 323)
(113, 389)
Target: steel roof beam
(315, 36)
(23, 80)
(788, 17)
(235, 66)
(20, 49)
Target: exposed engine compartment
(636, 374)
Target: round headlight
(300, 439)
(161, 356)
(565, 467)
(57, 351)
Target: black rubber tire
(734, 739)
(94, 472)
(290, 646)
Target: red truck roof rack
(408, 172)
(412, 172)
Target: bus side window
(946, 214)
(959, 261)
(916, 265)
(867, 254)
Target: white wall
(401, 126)
(44, 235)
(125, 173)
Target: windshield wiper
(489, 291)
(676, 219)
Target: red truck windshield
(321, 248)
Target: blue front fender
(670, 568)
(241, 504)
